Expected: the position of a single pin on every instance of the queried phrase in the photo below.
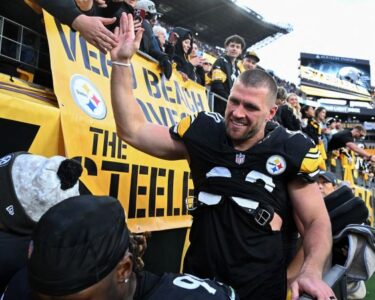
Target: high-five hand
(129, 41)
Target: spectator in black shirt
(180, 52)
(284, 115)
(225, 70)
(346, 137)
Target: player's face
(248, 110)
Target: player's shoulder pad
(305, 153)
(200, 118)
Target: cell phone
(139, 14)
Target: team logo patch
(5, 160)
(240, 158)
(87, 97)
(275, 165)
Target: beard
(253, 131)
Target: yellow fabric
(348, 167)
(240, 66)
(207, 79)
(289, 295)
(309, 164)
(218, 74)
(184, 125)
(209, 58)
(323, 155)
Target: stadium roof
(215, 20)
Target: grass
(370, 285)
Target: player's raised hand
(129, 41)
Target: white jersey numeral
(253, 176)
(190, 282)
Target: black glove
(166, 67)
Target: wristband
(117, 63)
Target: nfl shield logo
(240, 158)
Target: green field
(370, 285)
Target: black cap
(329, 177)
(76, 244)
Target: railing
(23, 45)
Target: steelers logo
(87, 97)
(275, 165)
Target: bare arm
(92, 28)
(317, 243)
(131, 123)
(352, 146)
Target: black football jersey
(171, 286)
(225, 241)
(260, 173)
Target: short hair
(235, 39)
(259, 78)
(281, 93)
(159, 29)
(360, 128)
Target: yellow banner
(366, 195)
(152, 191)
(29, 118)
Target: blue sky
(332, 27)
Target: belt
(262, 214)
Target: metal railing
(24, 46)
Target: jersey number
(190, 282)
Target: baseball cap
(30, 184)
(329, 121)
(76, 244)
(329, 177)
(253, 55)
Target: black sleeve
(311, 132)
(63, 10)
(289, 120)
(217, 87)
(201, 78)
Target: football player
(246, 175)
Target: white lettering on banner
(343, 109)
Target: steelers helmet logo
(275, 165)
(87, 97)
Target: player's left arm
(309, 206)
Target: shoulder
(221, 61)
(301, 151)
(199, 121)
